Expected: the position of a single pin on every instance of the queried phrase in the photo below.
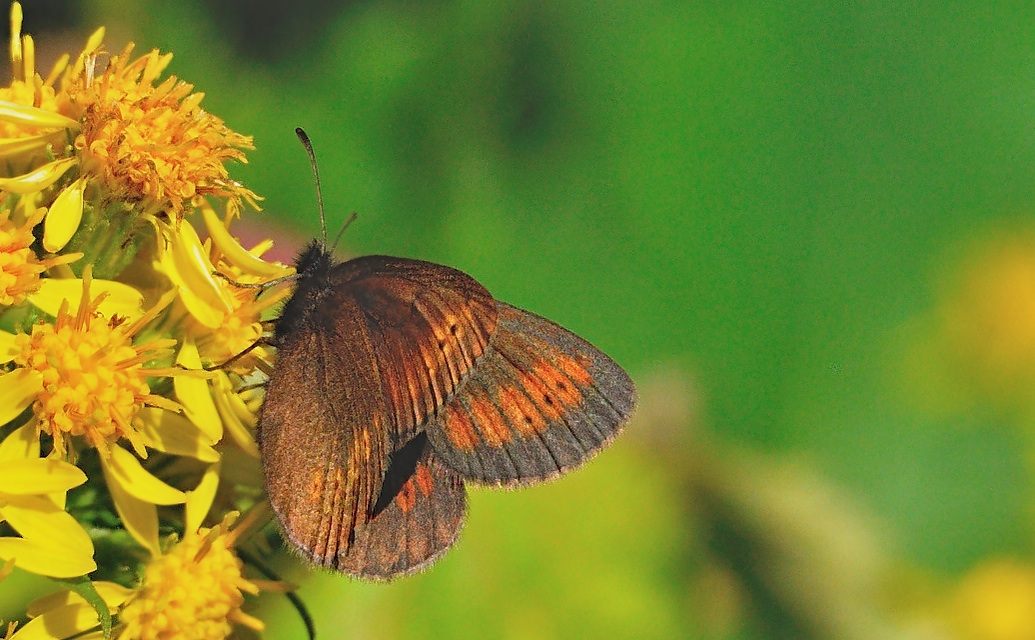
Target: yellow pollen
(236, 334)
(193, 591)
(19, 267)
(152, 145)
(93, 382)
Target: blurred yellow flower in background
(996, 601)
(977, 345)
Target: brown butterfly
(398, 380)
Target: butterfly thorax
(313, 267)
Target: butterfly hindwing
(541, 401)
(416, 519)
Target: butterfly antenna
(342, 231)
(316, 176)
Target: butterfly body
(397, 381)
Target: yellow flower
(139, 147)
(30, 118)
(108, 317)
(20, 268)
(977, 347)
(996, 601)
(195, 589)
(225, 318)
(221, 318)
(147, 144)
(32, 491)
(86, 376)
(86, 379)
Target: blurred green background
(804, 227)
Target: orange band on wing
(541, 395)
(562, 386)
(460, 429)
(407, 497)
(489, 421)
(424, 479)
(521, 412)
(574, 369)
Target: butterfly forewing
(540, 402)
(324, 454)
(429, 325)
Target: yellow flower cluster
(115, 317)
(170, 600)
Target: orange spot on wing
(489, 421)
(521, 412)
(559, 384)
(316, 483)
(576, 370)
(460, 429)
(541, 395)
(407, 497)
(424, 480)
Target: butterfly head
(314, 261)
(312, 273)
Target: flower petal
(46, 560)
(45, 525)
(235, 253)
(17, 390)
(8, 348)
(175, 434)
(23, 443)
(200, 500)
(113, 595)
(125, 470)
(18, 146)
(37, 180)
(195, 394)
(122, 299)
(39, 475)
(64, 216)
(188, 266)
(94, 42)
(24, 115)
(238, 421)
(140, 518)
(68, 621)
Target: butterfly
(399, 381)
